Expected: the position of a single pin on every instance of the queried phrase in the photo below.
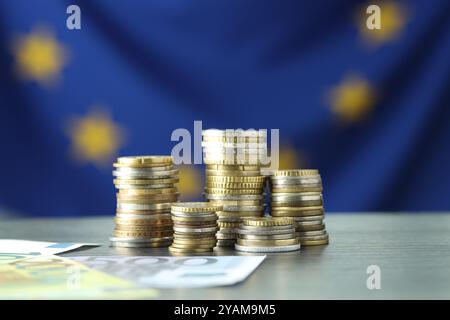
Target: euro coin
(195, 207)
(267, 237)
(296, 172)
(267, 243)
(143, 160)
(267, 222)
(288, 248)
(195, 230)
(189, 250)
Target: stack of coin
(266, 234)
(298, 194)
(233, 177)
(195, 227)
(147, 189)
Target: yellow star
(95, 138)
(290, 158)
(39, 56)
(393, 19)
(353, 99)
(190, 185)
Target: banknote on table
(13, 249)
(176, 272)
(53, 277)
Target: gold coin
(267, 243)
(295, 204)
(231, 167)
(298, 209)
(143, 213)
(194, 219)
(296, 172)
(235, 185)
(122, 204)
(161, 181)
(189, 250)
(228, 224)
(140, 234)
(144, 160)
(144, 192)
(205, 241)
(239, 214)
(234, 161)
(234, 179)
(140, 222)
(142, 228)
(147, 197)
(314, 242)
(193, 245)
(233, 191)
(267, 222)
(238, 202)
(194, 237)
(231, 173)
(195, 207)
(310, 228)
(295, 189)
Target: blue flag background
(369, 108)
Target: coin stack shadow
(147, 189)
(298, 194)
(267, 234)
(195, 227)
(233, 177)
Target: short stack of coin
(195, 227)
(266, 234)
(147, 190)
(298, 194)
(233, 177)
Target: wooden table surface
(411, 250)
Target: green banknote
(53, 277)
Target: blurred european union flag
(369, 108)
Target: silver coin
(293, 197)
(309, 223)
(153, 175)
(228, 230)
(313, 238)
(229, 219)
(226, 236)
(266, 232)
(300, 181)
(211, 196)
(195, 230)
(293, 247)
(144, 186)
(136, 206)
(309, 218)
(143, 216)
(267, 237)
(242, 208)
(131, 170)
(125, 244)
(311, 233)
(193, 214)
(271, 228)
(226, 243)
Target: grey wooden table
(412, 251)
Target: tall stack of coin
(195, 227)
(233, 177)
(147, 189)
(266, 234)
(298, 194)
